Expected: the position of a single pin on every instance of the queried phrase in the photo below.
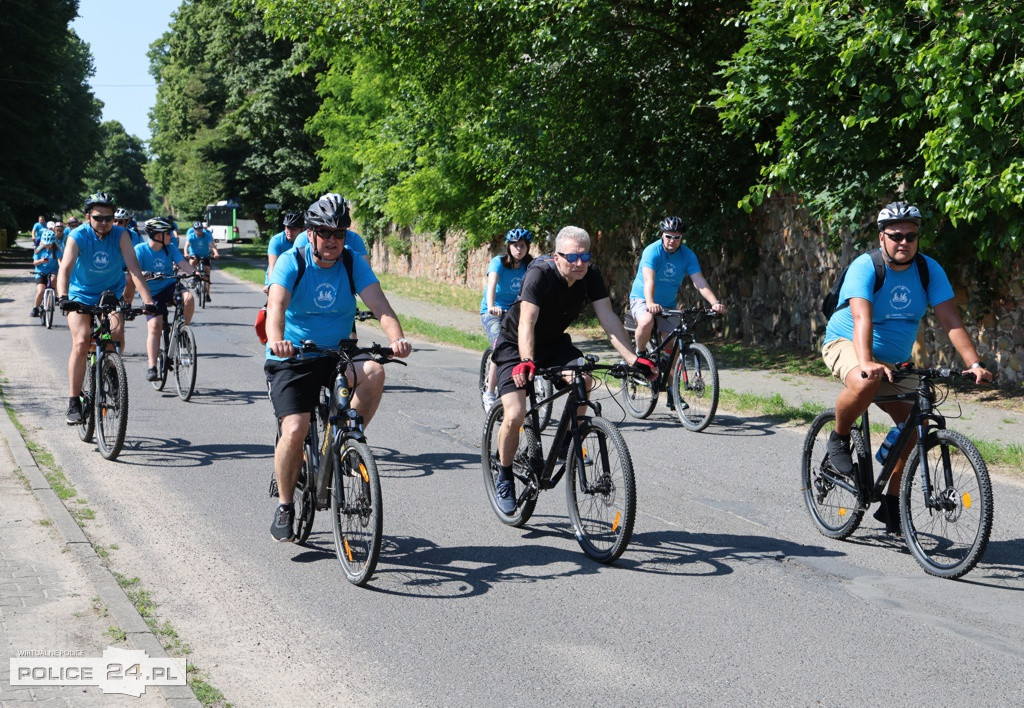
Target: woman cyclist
(47, 262)
(504, 279)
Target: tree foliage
(49, 115)
(852, 104)
(117, 167)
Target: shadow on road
(178, 453)
(393, 464)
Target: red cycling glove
(526, 368)
(646, 366)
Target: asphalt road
(726, 594)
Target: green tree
(117, 167)
(854, 104)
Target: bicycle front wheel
(111, 406)
(48, 304)
(358, 512)
(695, 387)
(528, 458)
(303, 498)
(88, 424)
(185, 363)
(601, 491)
(948, 536)
(485, 364)
(639, 395)
(161, 371)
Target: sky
(119, 33)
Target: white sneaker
(489, 397)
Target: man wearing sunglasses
(316, 301)
(533, 333)
(663, 266)
(872, 330)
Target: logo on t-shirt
(516, 284)
(158, 264)
(669, 271)
(900, 298)
(325, 296)
(101, 260)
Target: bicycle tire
(111, 406)
(357, 509)
(544, 413)
(48, 304)
(696, 375)
(528, 455)
(88, 425)
(303, 498)
(835, 511)
(161, 371)
(947, 543)
(485, 362)
(185, 363)
(600, 490)
(640, 395)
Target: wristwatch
(976, 365)
(526, 360)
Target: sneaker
(505, 493)
(284, 519)
(670, 404)
(888, 512)
(151, 374)
(563, 453)
(489, 397)
(35, 312)
(74, 411)
(208, 298)
(839, 455)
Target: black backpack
(831, 299)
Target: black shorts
(295, 383)
(163, 301)
(506, 357)
(43, 279)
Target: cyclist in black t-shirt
(555, 289)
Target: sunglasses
(898, 237)
(102, 219)
(573, 257)
(671, 237)
(330, 233)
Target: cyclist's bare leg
(80, 326)
(288, 454)
(514, 404)
(644, 327)
(853, 400)
(40, 288)
(154, 328)
(189, 303)
(370, 388)
(492, 377)
(117, 330)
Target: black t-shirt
(559, 304)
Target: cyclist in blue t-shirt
(199, 246)
(37, 229)
(504, 280)
(282, 242)
(123, 218)
(47, 262)
(870, 332)
(93, 261)
(663, 266)
(320, 306)
(159, 256)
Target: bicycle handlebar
(347, 348)
(585, 363)
(700, 312)
(905, 369)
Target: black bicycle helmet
(673, 224)
(514, 235)
(122, 214)
(158, 225)
(330, 211)
(98, 199)
(292, 219)
(73, 221)
(896, 212)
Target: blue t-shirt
(99, 266)
(670, 269)
(353, 242)
(51, 258)
(36, 229)
(161, 261)
(510, 281)
(278, 244)
(136, 238)
(198, 244)
(897, 308)
(322, 307)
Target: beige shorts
(841, 358)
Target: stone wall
(773, 288)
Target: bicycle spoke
(358, 512)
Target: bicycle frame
(676, 342)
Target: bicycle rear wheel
(303, 499)
(601, 491)
(833, 508)
(88, 424)
(948, 539)
(485, 363)
(358, 511)
(528, 457)
(161, 371)
(185, 363)
(695, 387)
(111, 406)
(48, 304)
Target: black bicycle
(338, 468)
(685, 366)
(545, 388)
(104, 394)
(945, 494)
(49, 302)
(201, 284)
(178, 352)
(600, 488)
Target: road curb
(113, 597)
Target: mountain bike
(338, 468)
(178, 351)
(945, 495)
(686, 367)
(545, 388)
(105, 387)
(600, 489)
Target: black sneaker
(74, 411)
(284, 520)
(208, 298)
(888, 512)
(151, 374)
(35, 312)
(505, 493)
(839, 453)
